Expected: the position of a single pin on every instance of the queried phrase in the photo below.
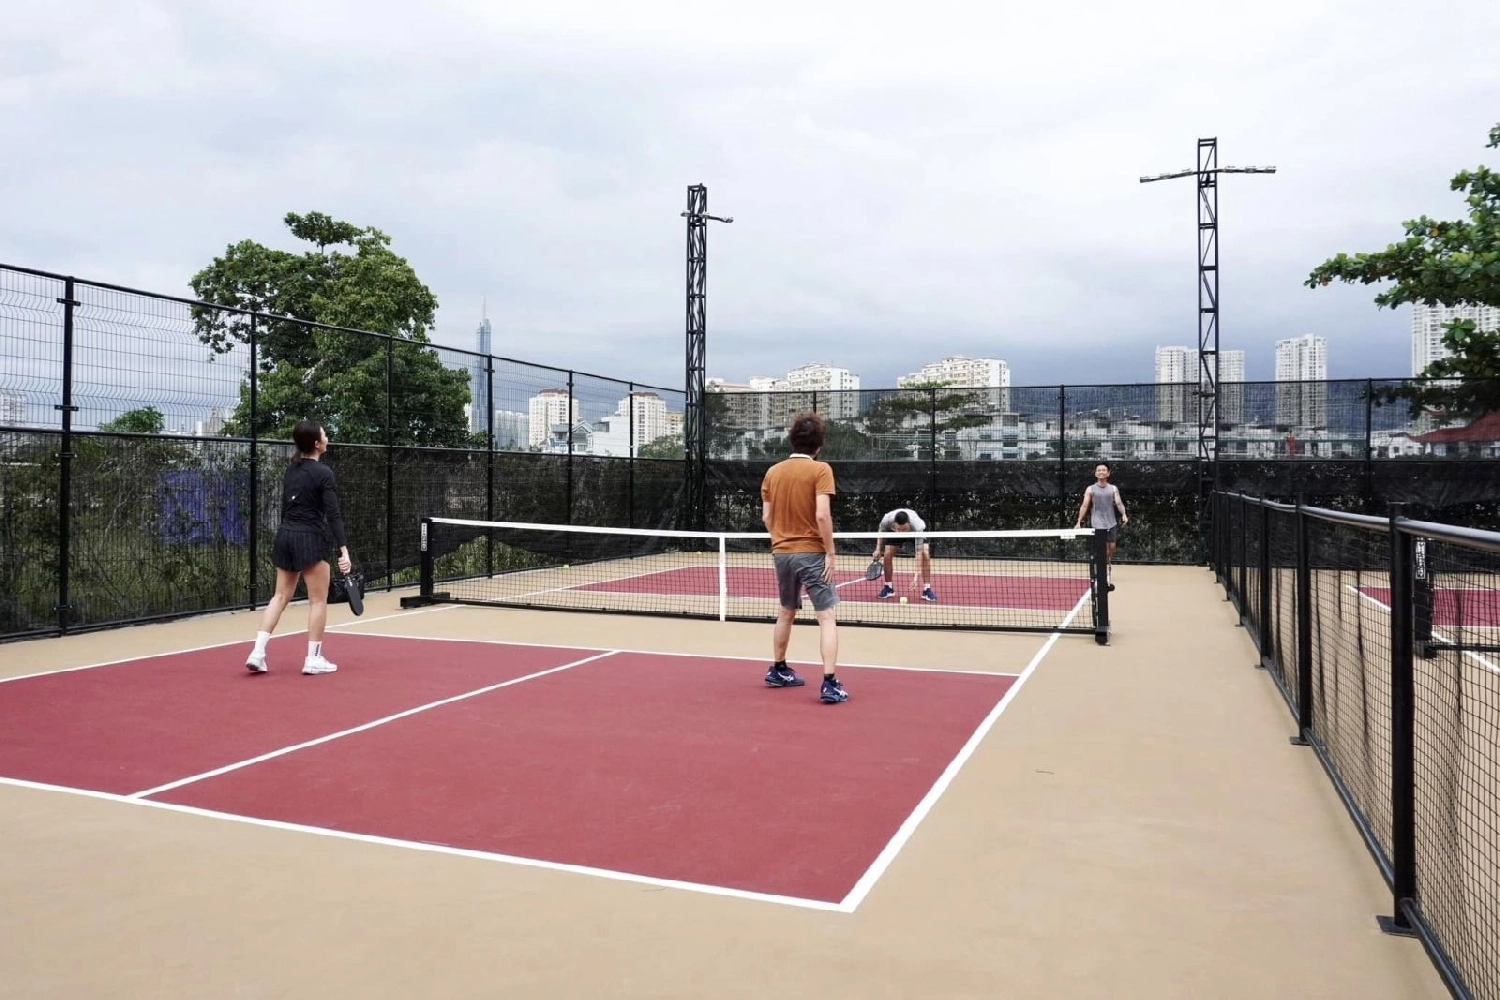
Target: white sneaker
(256, 663)
(317, 665)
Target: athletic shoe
(256, 663)
(928, 595)
(886, 591)
(833, 692)
(317, 665)
(783, 677)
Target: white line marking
(1484, 661)
(217, 645)
(695, 656)
(359, 729)
(883, 860)
(365, 838)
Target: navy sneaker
(783, 677)
(833, 692)
(928, 595)
(886, 591)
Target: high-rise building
(12, 411)
(547, 409)
(969, 373)
(479, 378)
(1178, 379)
(1302, 363)
(835, 391)
(1428, 324)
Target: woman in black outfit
(309, 511)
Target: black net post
(254, 433)
(1101, 586)
(65, 458)
(1304, 630)
(1403, 735)
(1263, 599)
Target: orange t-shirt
(792, 486)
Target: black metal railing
(1381, 634)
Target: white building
(1427, 328)
(969, 373)
(545, 409)
(1304, 362)
(1177, 373)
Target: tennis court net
(1024, 581)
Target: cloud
(907, 182)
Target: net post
(723, 579)
(1403, 735)
(1304, 630)
(1101, 586)
(424, 595)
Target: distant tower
(479, 382)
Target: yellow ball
(903, 600)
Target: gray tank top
(1102, 506)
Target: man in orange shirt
(795, 496)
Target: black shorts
(906, 546)
(297, 550)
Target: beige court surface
(1135, 825)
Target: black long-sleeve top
(310, 500)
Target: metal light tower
(1207, 173)
(694, 429)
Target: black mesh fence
(1384, 635)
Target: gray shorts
(796, 570)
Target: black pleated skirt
(296, 550)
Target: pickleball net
(1017, 581)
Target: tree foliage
(147, 420)
(337, 376)
(1445, 264)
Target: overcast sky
(907, 181)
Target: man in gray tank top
(1100, 501)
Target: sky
(906, 181)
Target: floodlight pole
(694, 429)
(1208, 394)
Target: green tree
(147, 420)
(922, 411)
(338, 377)
(1443, 263)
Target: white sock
(261, 638)
(314, 649)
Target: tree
(148, 420)
(336, 376)
(925, 412)
(1443, 263)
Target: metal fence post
(254, 434)
(630, 450)
(1304, 629)
(65, 459)
(390, 463)
(568, 423)
(1403, 736)
(1263, 614)
(489, 471)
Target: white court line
(362, 728)
(903, 834)
(695, 656)
(1484, 661)
(218, 645)
(365, 838)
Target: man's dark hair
(807, 432)
(901, 517)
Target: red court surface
(1451, 607)
(663, 767)
(961, 589)
(134, 725)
